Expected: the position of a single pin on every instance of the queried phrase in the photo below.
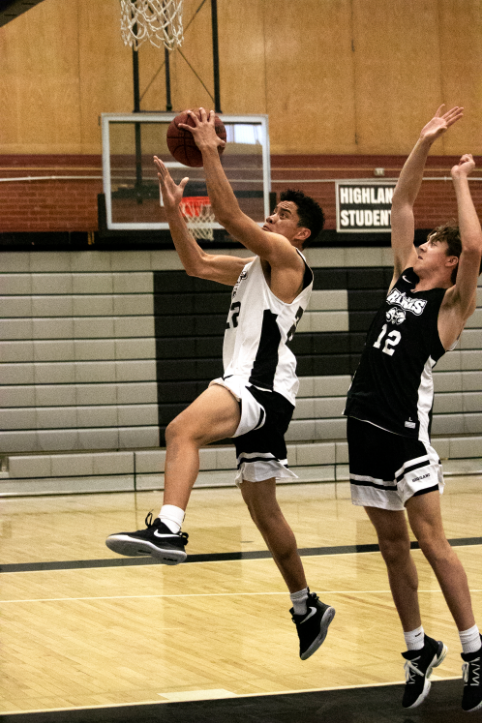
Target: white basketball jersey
(258, 327)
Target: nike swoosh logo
(405, 279)
(164, 534)
(308, 616)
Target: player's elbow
(199, 267)
(472, 245)
(401, 202)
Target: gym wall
(102, 350)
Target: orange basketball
(181, 142)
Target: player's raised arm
(462, 296)
(220, 268)
(408, 186)
(273, 248)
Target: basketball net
(159, 21)
(199, 216)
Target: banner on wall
(363, 206)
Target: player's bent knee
(178, 431)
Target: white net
(199, 217)
(159, 21)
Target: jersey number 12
(391, 341)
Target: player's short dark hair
(450, 233)
(309, 211)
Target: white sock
(470, 639)
(299, 601)
(414, 639)
(172, 517)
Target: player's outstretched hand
(171, 192)
(204, 129)
(441, 122)
(464, 167)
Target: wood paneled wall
(335, 76)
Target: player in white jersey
(393, 467)
(254, 400)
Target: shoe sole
(437, 659)
(472, 710)
(328, 616)
(124, 545)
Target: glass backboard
(129, 141)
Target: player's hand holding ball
(193, 130)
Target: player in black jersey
(393, 466)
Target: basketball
(181, 143)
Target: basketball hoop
(159, 21)
(199, 216)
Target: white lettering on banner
(364, 207)
(366, 195)
(364, 218)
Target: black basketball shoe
(471, 672)
(312, 627)
(156, 540)
(418, 670)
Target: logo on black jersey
(396, 316)
(399, 298)
(243, 275)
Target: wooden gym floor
(95, 636)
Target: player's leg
(394, 542)
(212, 416)
(426, 522)
(315, 617)
(378, 459)
(260, 498)
(424, 653)
(425, 519)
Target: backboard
(129, 141)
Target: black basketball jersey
(393, 385)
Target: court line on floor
(213, 557)
(209, 594)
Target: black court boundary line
(214, 557)
(366, 704)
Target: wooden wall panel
(106, 84)
(335, 76)
(187, 91)
(41, 85)
(242, 49)
(309, 76)
(461, 70)
(397, 71)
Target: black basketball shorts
(259, 439)
(386, 469)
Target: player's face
(284, 220)
(432, 255)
